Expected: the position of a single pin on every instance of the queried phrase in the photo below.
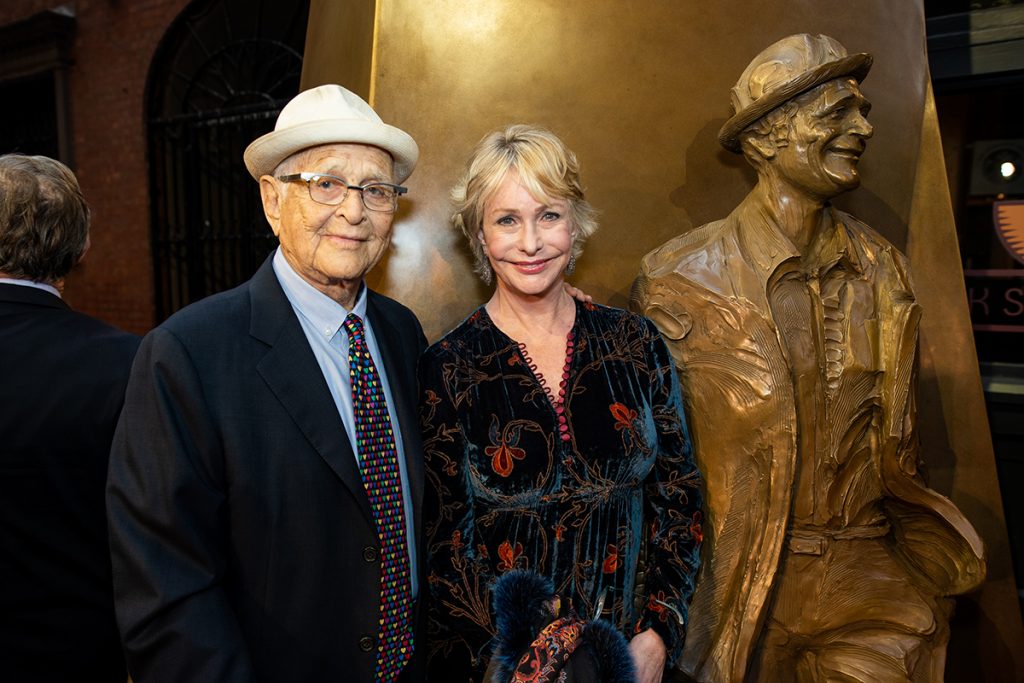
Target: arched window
(218, 80)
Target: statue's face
(826, 138)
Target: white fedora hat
(325, 115)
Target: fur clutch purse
(540, 639)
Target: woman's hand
(577, 293)
(648, 652)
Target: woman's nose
(529, 238)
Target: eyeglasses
(332, 190)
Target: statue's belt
(806, 540)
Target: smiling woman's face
(527, 240)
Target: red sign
(1008, 217)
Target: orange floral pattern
(577, 510)
(502, 457)
(696, 531)
(624, 416)
(655, 605)
(509, 555)
(611, 560)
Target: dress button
(366, 643)
(370, 553)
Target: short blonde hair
(546, 167)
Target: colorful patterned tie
(382, 481)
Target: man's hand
(648, 652)
(578, 294)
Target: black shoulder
(103, 332)
(456, 341)
(83, 337)
(628, 322)
(210, 316)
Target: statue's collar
(767, 247)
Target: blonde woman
(554, 431)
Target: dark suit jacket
(242, 539)
(62, 380)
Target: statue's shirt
(825, 315)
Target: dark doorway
(219, 79)
(33, 84)
(30, 127)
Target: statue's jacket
(707, 292)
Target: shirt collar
(30, 283)
(768, 246)
(832, 247)
(324, 313)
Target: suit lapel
(291, 371)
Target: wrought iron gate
(222, 75)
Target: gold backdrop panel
(343, 43)
(639, 91)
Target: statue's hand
(648, 652)
(578, 294)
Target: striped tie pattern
(382, 481)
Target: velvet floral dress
(587, 490)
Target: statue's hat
(784, 70)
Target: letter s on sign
(1013, 296)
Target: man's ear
(764, 145)
(85, 248)
(270, 193)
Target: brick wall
(112, 49)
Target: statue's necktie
(382, 481)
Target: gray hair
(44, 220)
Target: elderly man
(62, 380)
(266, 474)
(826, 556)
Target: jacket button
(370, 553)
(366, 643)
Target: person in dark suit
(249, 535)
(62, 382)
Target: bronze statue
(795, 329)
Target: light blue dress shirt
(322, 318)
(31, 283)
